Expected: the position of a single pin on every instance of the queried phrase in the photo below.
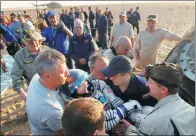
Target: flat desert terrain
(176, 17)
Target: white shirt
(44, 108)
(124, 29)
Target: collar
(27, 53)
(166, 100)
(85, 36)
(113, 51)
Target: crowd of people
(71, 87)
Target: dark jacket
(137, 90)
(102, 24)
(76, 14)
(81, 48)
(135, 17)
(91, 16)
(66, 19)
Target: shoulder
(20, 53)
(43, 47)
(107, 51)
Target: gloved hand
(128, 107)
(136, 117)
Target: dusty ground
(175, 17)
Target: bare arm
(112, 40)
(132, 42)
(69, 33)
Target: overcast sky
(29, 4)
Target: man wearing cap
(171, 115)
(125, 84)
(135, 18)
(57, 36)
(123, 28)
(24, 62)
(148, 42)
(123, 46)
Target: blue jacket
(56, 40)
(135, 17)
(102, 25)
(8, 34)
(79, 49)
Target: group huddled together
(73, 87)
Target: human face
(118, 79)
(123, 50)
(155, 89)
(82, 89)
(33, 45)
(52, 20)
(79, 29)
(122, 19)
(59, 74)
(151, 24)
(96, 70)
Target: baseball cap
(123, 13)
(30, 34)
(152, 17)
(51, 13)
(167, 74)
(118, 65)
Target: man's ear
(91, 70)
(164, 90)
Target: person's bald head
(123, 46)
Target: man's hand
(83, 61)
(23, 95)
(120, 129)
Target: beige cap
(33, 35)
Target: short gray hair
(77, 21)
(47, 59)
(123, 40)
(92, 61)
